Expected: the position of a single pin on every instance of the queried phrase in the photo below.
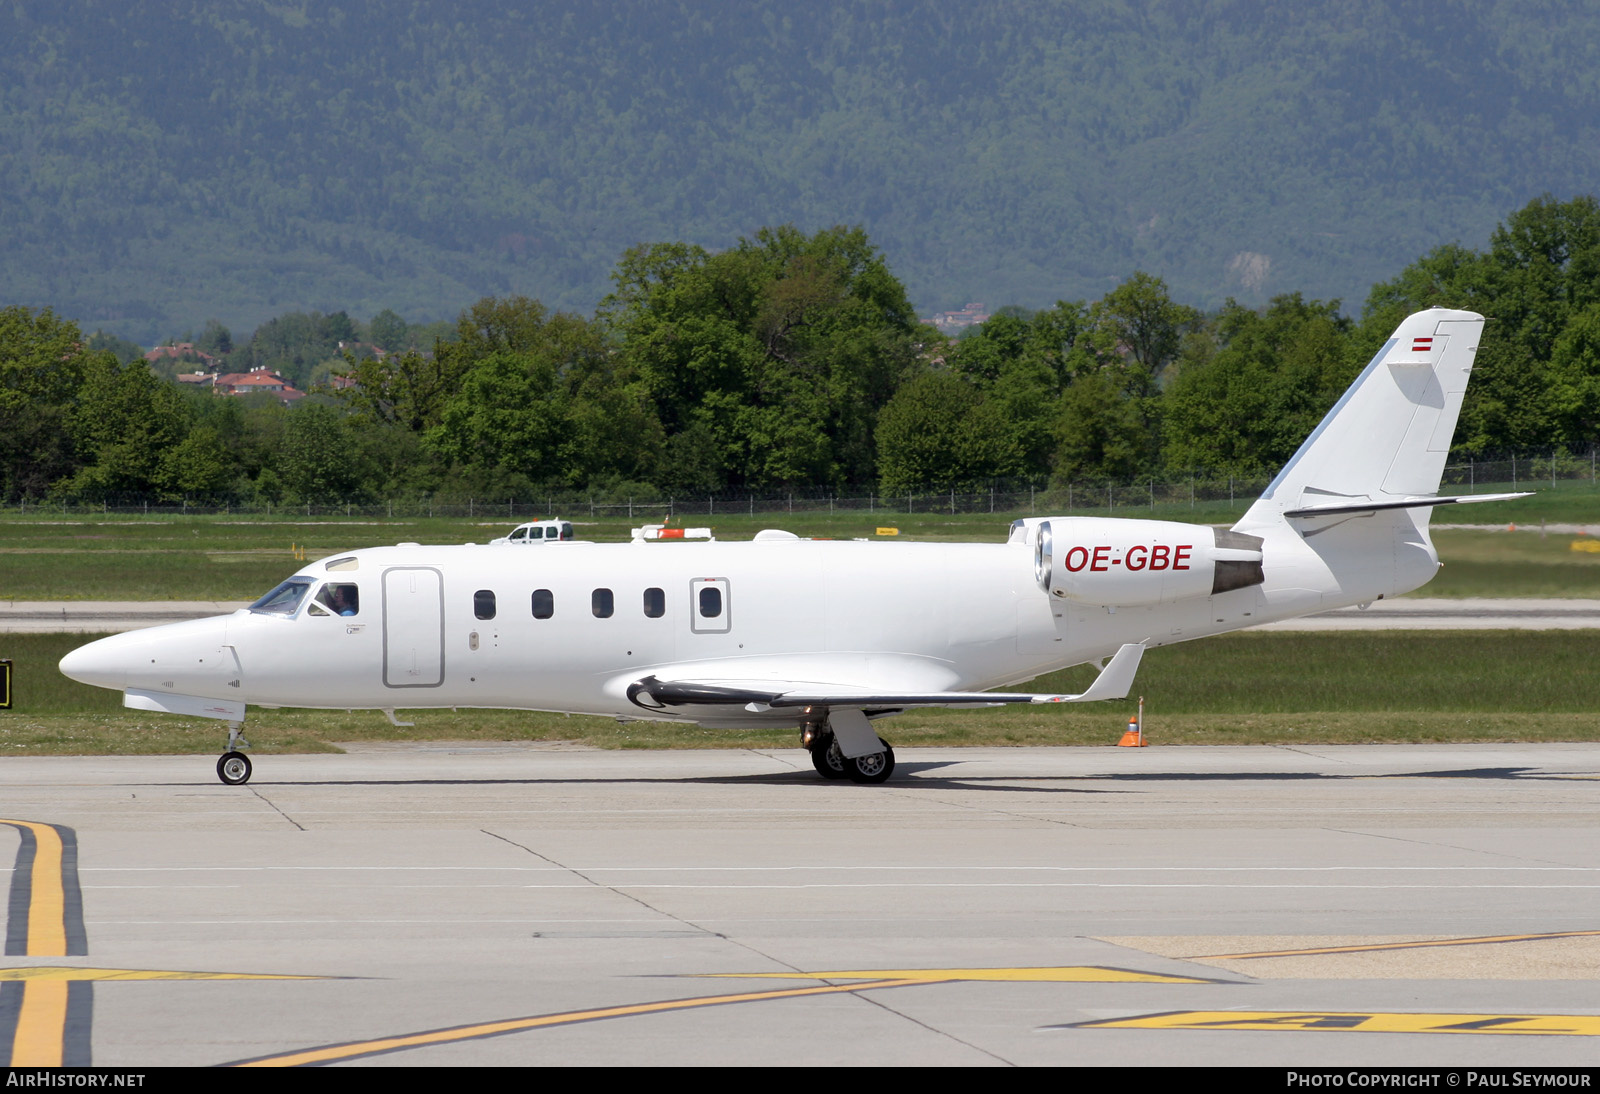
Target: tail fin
(1385, 441)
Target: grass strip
(1295, 688)
(61, 562)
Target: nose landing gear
(234, 766)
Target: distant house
(257, 380)
(954, 322)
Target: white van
(540, 531)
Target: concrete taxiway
(104, 616)
(462, 904)
(1408, 613)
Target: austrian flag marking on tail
(1418, 349)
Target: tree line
(790, 361)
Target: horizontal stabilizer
(650, 693)
(1365, 506)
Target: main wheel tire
(827, 759)
(875, 767)
(234, 768)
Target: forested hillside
(164, 163)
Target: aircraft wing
(651, 693)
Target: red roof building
(256, 380)
(953, 322)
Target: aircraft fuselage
(568, 627)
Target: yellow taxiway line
(40, 1037)
(353, 1049)
(869, 979)
(39, 887)
(46, 906)
(1582, 1025)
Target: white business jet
(828, 636)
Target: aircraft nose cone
(181, 658)
(103, 664)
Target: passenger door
(413, 627)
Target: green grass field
(214, 558)
(1514, 564)
(1234, 689)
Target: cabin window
(552, 533)
(284, 599)
(544, 604)
(710, 602)
(340, 598)
(603, 603)
(655, 603)
(483, 604)
(518, 533)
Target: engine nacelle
(1128, 563)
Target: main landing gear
(831, 763)
(234, 766)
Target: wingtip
(1117, 679)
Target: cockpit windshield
(285, 598)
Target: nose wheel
(234, 768)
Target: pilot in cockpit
(341, 599)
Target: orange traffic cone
(1134, 737)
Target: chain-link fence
(1008, 498)
(1518, 472)
(1172, 491)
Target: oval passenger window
(711, 602)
